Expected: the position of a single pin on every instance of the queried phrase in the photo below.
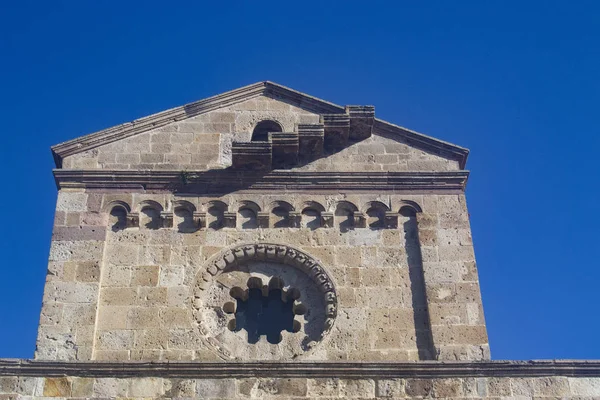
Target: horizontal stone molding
(181, 369)
(227, 181)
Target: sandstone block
(110, 387)
(175, 317)
(146, 275)
(112, 317)
(87, 271)
(585, 386)
(447, 388)
(419, 388)
(76, 250)
(361, 388)
(460, 334)
(71, 292)
(57, 387)
(266, 387)
(215, 388)
(151, 296)
(115, 340)
(323, 387)
(142, 317)
(172, 275)
(82, 387)
(155, 339)
(71, 201)
(118, 296)
(390, 388)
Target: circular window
(249, 303)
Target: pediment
(216, 133)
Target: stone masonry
(167, 227)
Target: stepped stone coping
(182, 369)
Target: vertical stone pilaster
(70, 302)
(451, 282)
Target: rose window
(264, 310)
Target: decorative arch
(344, 215)
(215, 214)
(248, 215)
(414, 206)
(312, 215)
(117, 204)
(119, 214)
(280, 214)
(150, 214)
(183, 216)
(149, 204)
(375, 214)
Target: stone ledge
(423, 369)
(227, 181)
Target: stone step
(337, 131)
(251, 155)
(285, 149)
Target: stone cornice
(421, 141)
(423, 369)
(270, 89)
(227, 180)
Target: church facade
(264, 243)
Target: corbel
(229, 219)
(199, 218)
(167, 219)
(327, 219)
(262, 219)
(359, 220)
(133, 220)
(295, 219)
(391, 220)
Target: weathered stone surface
(366, 235)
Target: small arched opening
(262, 129)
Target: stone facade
(171, 230)
(128, 294)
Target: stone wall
(204, 142)
(124, 287)
(116, 385)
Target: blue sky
(517, 82)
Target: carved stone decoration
(216, 285)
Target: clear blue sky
(517, 82)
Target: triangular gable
(269, 89)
